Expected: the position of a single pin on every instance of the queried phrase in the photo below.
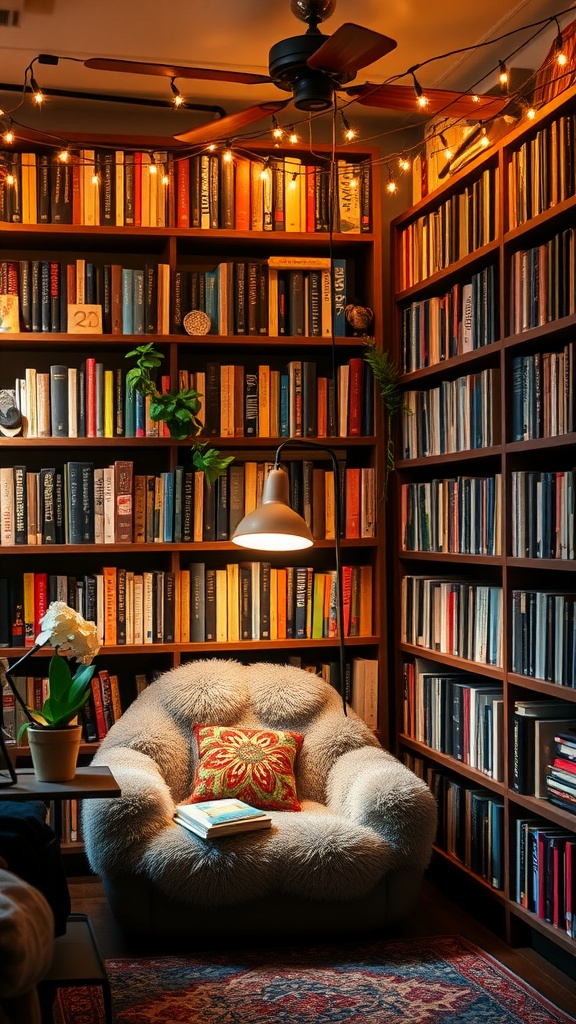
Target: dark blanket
(31, 850)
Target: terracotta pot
(54, 752)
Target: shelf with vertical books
(279, 360)
(485, 629)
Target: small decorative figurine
(359, 318)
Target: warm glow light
(211, 147)
(353, 182)
(391, 187)
(165, 179)
(475, 98)
(349, 134)
(273, 542)
(484, 141)
(8, 136)
(448, 154)
(562, 59)
(422, 101)
(293, 138)
(95, 179)
(277, 133)
(264, 173)
(178, 101)
(503, 77)
(9, 179)
(64, 156)
(531, 113)
(38, 98)
(404, 164)
(153, 169)
(227, 156)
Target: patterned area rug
(441, 980)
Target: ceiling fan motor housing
(289, 70)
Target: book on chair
(213, 818)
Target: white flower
(64, 628)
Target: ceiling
(237, 35)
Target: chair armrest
(371, 787)
(116, 831)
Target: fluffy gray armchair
(352, 858)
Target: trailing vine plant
(179, 411)
(386, 375)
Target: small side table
(77, 960)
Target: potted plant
(53, 732)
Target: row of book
(543, 505)
(458, 415)
(294, 296)
(85, 504)
(293, 400)
(544, 635)
(238, 601)
(541, 171)
(460, 515)
(542, 282)
(453, 616)
(161, 189)
(443, 326)
(545, 872)
(455, 713)
(535, 726)
(543, 394)
(122, 300)
(470, 820)
(460, 225)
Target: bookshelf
(484, 317)
(231, 352)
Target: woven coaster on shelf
(196, 322)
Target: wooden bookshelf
(471, 518)
(191, 248)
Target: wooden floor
(436, 914)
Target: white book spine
(109, 535)
(7, 520)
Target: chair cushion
(255, 765)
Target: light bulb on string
(420, 97)
(404, 164)
(293, 182)
(152, 167)
(391, 185)
(447, 151)
(165, 180)
(503, 77)
(227, 154)
(475, 97)
(561, 57)
(484, 140)
(178, 99)
(349, 132)
(95, 179)
(8, 136)
(292, 137)
(38, 95)
(277, 131)
(9, 179)
(530, 113)
(264, 173)
(63, 156)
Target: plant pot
(54, 752)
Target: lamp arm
(3, 750)
(316, 446)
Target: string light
(420, 97)
(8, 136)
(447, 151)
(38, 96)
(178, 100)
(9, 179)
(530, 113)
(292, 184)
(95, 179)
(227, 155)
(404, 164)
(264, 173)
(349, 132)
(277, 131)
(503, 76)
(484, 141)
(152, 167)
(391, 186)
(293, 137)
(63, 156)
(561, 57)
(211, 147)
(165, 180)
(475, 97)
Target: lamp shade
(274, 525)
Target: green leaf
(59, 677)
(210, 461)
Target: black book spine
(212, 404)
(222, 506)
(107, 167)
(240, 318)
(209, 520)
(81, 400)
(309, 400)
(265, 572)
(59, 524)
(59, 401)
(90, 609)
(262, 298)
(43, 189)
(300, 599)
(55, 296)
(25, 295)
(151, 298)
(188, 504)
(198, 603)
(210, 604)
(169, 606)
(36, 322)
(44, 296)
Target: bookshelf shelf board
(469, 262)
(559, 937)
(542, 686)
(559, 441)
(546, 564)
(449, 458)
(191, 547)
(557, 330)
(450, 762)
(545, 219)
(495, 894)
(48, 339)
(477, 667)
(456, 558)
(480, 356)
(209, 647)
(544, 809)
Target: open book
(213, 818)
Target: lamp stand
(5, 760)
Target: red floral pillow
(255, 765)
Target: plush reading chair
(351, 858)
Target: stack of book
(561, 774)
(211, 819)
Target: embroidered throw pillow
(254, 765)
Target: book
(211, 819)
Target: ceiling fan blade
(350, 48)
(135, 67)
(227, 127)
(402, 97)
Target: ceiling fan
(312, 67)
